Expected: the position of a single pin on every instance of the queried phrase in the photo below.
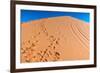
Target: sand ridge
(54, 39)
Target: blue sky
(28, 15)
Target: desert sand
(60, 38)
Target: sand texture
(54, 39)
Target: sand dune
(54, 39)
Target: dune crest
(54, 39)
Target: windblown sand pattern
(54, 39)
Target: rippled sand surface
(54, 39)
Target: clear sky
(28, 15)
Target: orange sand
(54, 39)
